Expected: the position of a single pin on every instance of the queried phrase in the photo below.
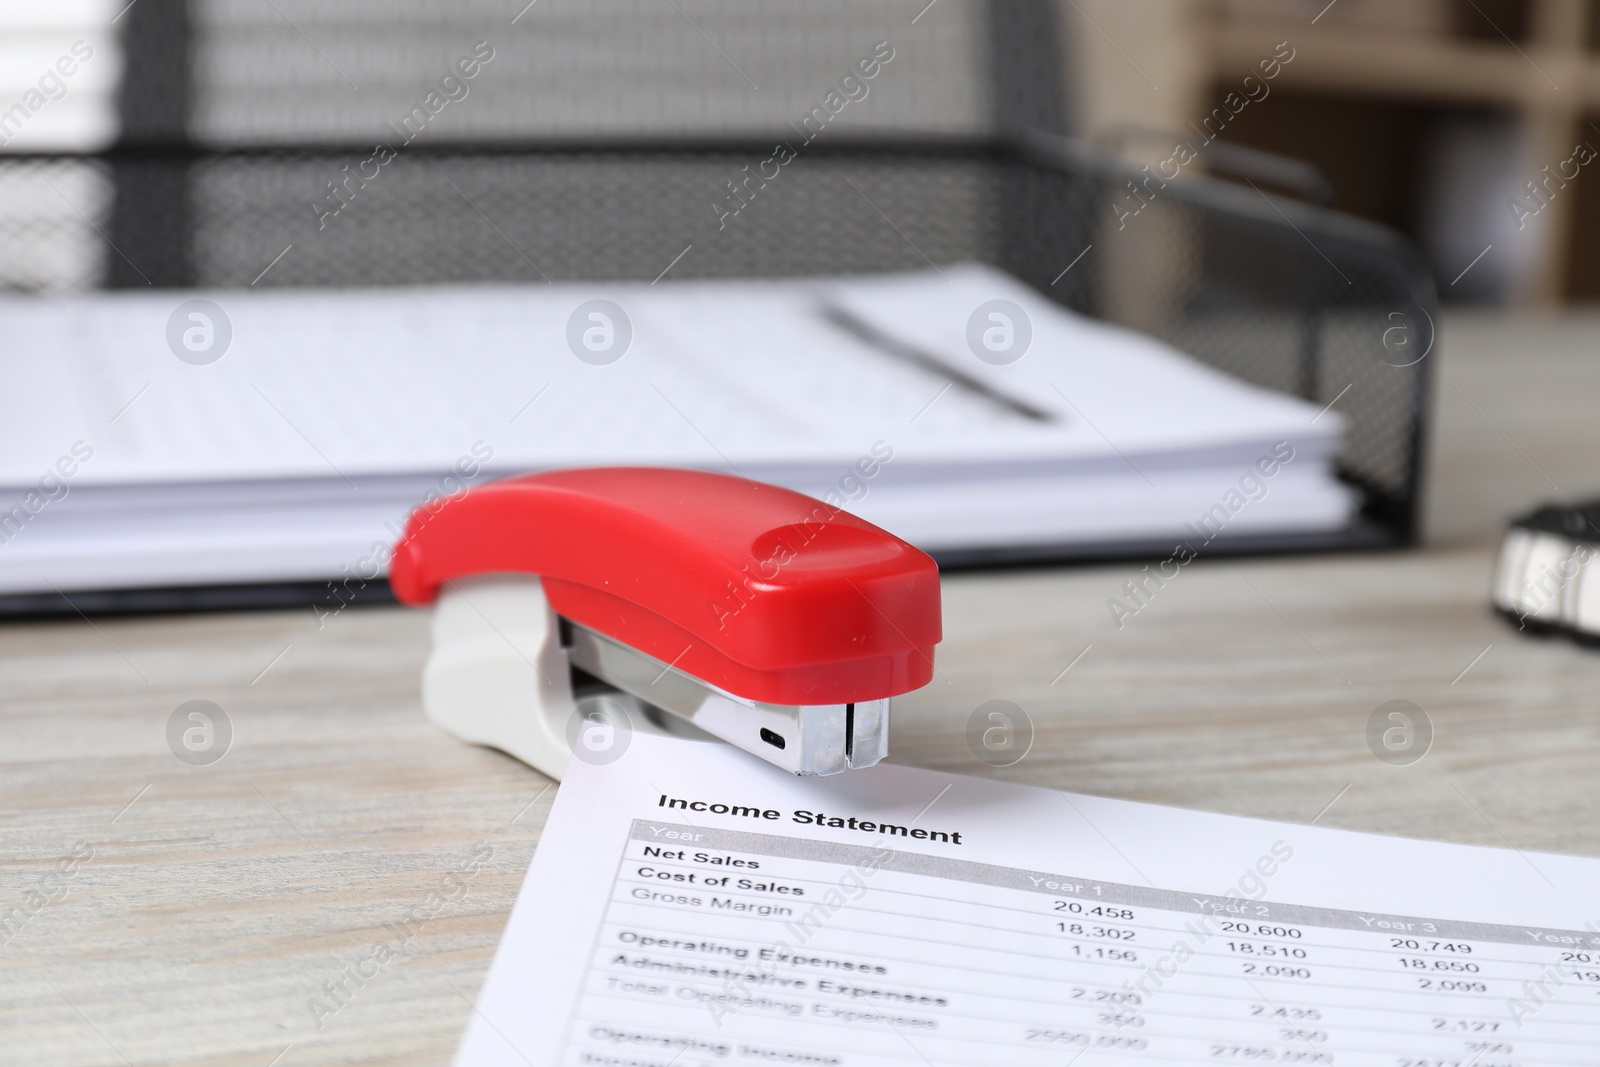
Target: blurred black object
(1546, 580)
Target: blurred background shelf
(1389, 101)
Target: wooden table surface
(172, 914)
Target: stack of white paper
(297, 454)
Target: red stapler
(769, 619)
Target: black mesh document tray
(1285, 295)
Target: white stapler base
(497, 674)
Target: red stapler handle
(758, 592)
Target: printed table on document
(723, 946)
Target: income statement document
(689, 905)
